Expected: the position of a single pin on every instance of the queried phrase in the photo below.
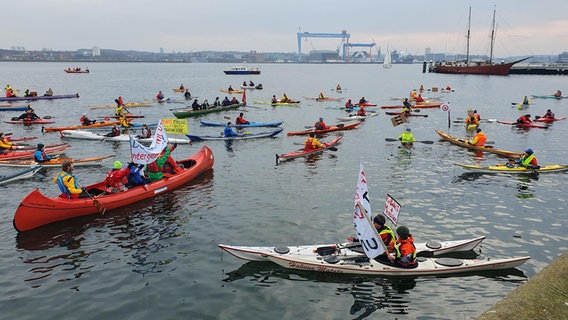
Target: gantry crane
(343, 35)
(347, 45)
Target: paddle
(96, 202)
(419, 141)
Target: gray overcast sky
(523, 27)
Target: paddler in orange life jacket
(70, 188)
(479, 138)
(471, 119)
(312, 143)
(362, 112)
(405, 251)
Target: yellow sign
(175, 126)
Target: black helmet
(40, 146)
(403, 231)
(380, 219)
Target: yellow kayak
(128, 105)
(514, 169)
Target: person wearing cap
(5, 144)
(241, 120)
(86, 121)
(407, 138)
(116, 179)
(320, 125)
(528, 159)
(312, 142)
(524, 119)
(385, 232)
(405, 251)
(40, 155)
(67, 183)
(406, 106)
(479, 138)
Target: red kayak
(37, 210)
(305, 152)
(34, 148)
(22, 155)
(523, 125)
(418, 106)
(338, 127)
(549, 120)
(20, 139)
(366, 104)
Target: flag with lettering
(144, 155)
(368, 236)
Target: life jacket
(405, 252)
(62, 187)
(527, 161)
(481, 138)
(386, 232)
(153, 167)
(308, 144)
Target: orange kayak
(94, 125)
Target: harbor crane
(343, 35)
(348, 45)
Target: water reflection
(369, 293)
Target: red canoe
(304, 152)
(37, 210)
(329, 129)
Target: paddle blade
(426, 141)
(332, 148)
(99, 206)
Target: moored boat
(513, 169)
(56, 162)
(243, 136)
(337, 127)
(188, 112)
(242, 70)
(23, 174)
(53, 97)
(462, 143)
(248, 125)
(430, 248)
(37, 210)
(306, 152)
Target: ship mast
(468, 37)
(492, 39)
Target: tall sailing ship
(475, 67)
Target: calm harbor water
(159, 259)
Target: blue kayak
(250, 124)
(246, 135)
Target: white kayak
(365, 266)
(350, 117)
(24, 174)
(87, 135)
(347, 249)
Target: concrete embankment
(544, 296)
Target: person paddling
(40, 155)
(312, 142)
(67, 183)
(479, 139)
(320, 125)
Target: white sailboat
(387, 62)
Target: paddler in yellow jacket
(70, 188)
(5, 144)
(312, 143)
(407, 138)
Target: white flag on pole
(370, 240)
(145, 155)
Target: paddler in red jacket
(405, 249)
(116, 179)
(320, 125)
(524, 119)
